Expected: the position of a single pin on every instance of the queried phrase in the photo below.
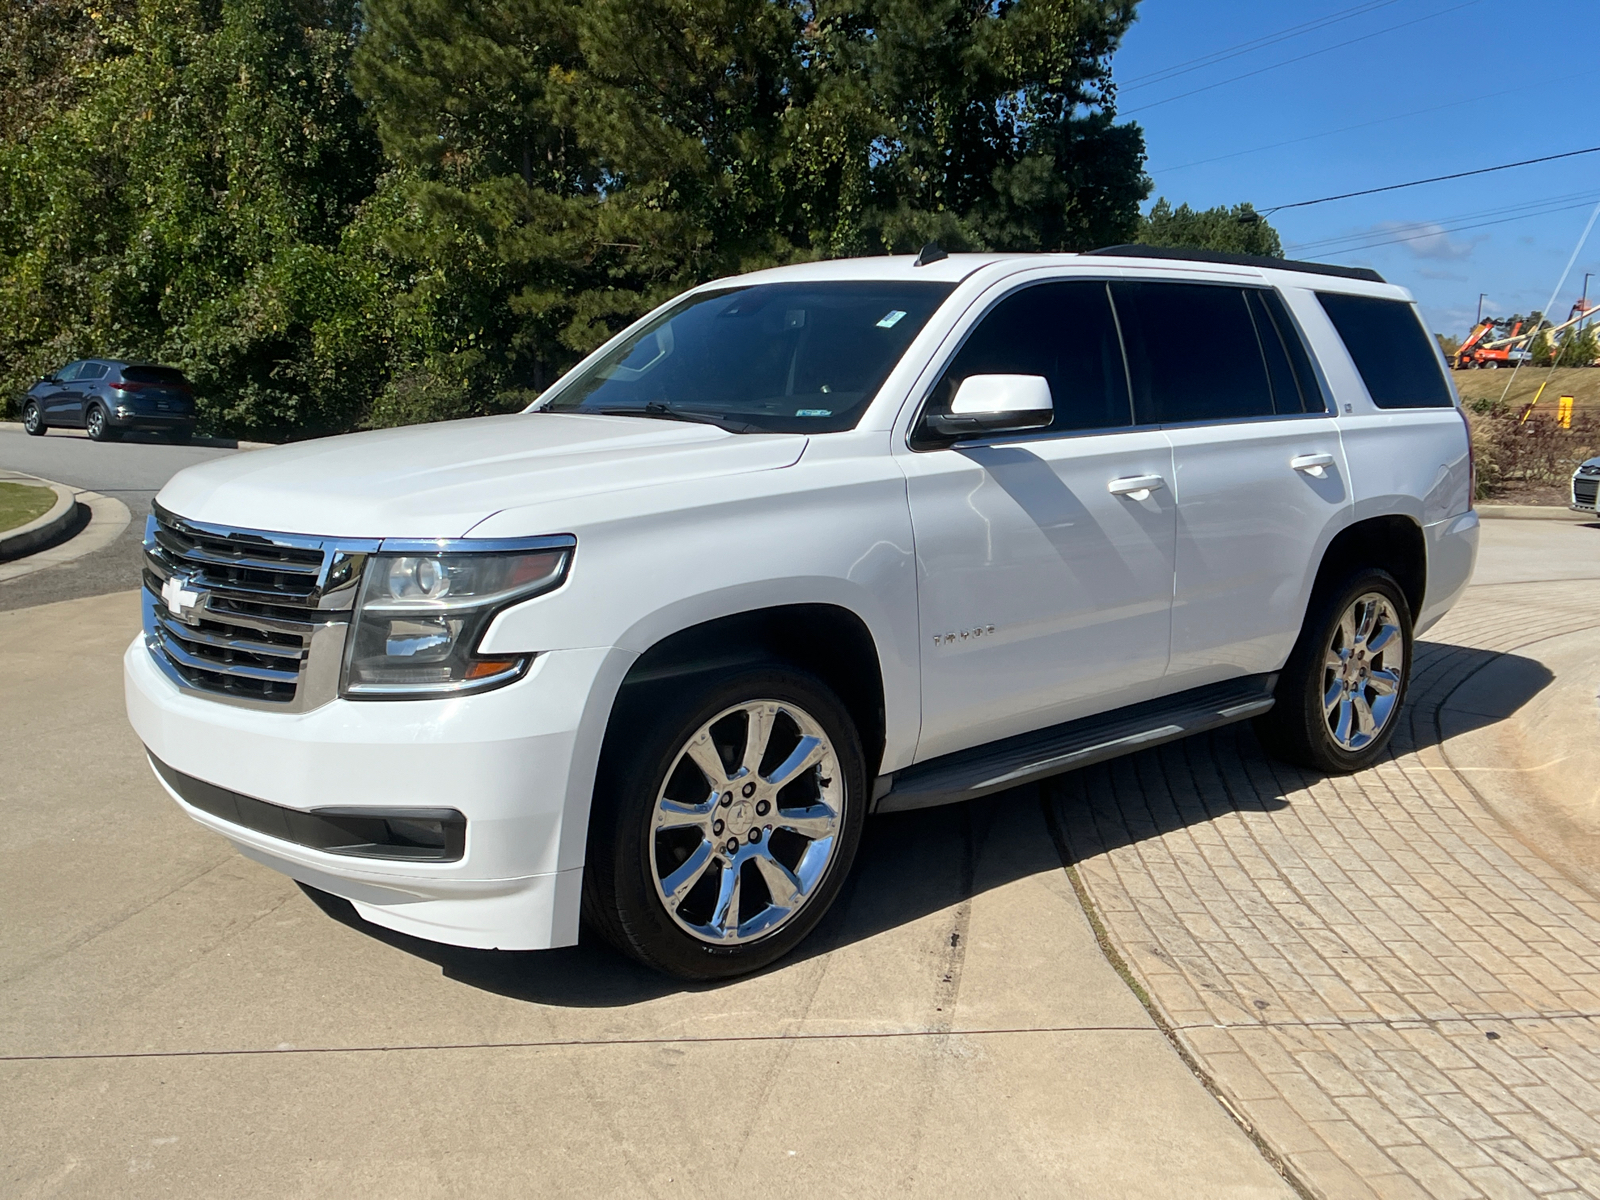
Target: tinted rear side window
(93, 371)
(1063, 331)
(170, 376)
(1391, 349)
(1193, 353)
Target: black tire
(1301, 727)
(99, 427)
(646, 758)
(33, 419)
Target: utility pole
(1481, 295)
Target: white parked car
(1585, 485)
(798, 547)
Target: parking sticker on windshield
(813, 412)
(890, 319)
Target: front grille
(247, 631)
(1583, 492)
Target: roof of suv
(954, 268)
(1228, 258)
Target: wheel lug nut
(716, 828)
(733, 845)
(762, 808)
(749, 790)
(727, 799)
(755, 836)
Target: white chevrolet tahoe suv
(802, 546)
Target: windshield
(772, 358)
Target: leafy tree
(333, 215)
(192, 206)
(1239, 230)
(1579, 349)
(570, 165)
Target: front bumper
(516, 762)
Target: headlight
(421, 614)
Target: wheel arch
(1392, 542)
(828, 640)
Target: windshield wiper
(665, 412)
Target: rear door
(1043, 595)
(1260, 473)
(86, 388)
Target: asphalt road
(133, 471)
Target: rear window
(170, 376)
(1396, 357)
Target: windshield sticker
(891, 318)
(813, 412)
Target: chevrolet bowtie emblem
(181, 600)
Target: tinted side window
(1193, 353)
(1311, 394)
(69, 372)
(1063, 331)
(92, 371)
(1391, 349)
(168, 376)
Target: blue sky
(1502, 83)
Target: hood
(441, 480)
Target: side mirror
(985, 404)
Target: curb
(214, 443)
(1530, 512)
(14, 543)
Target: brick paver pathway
(1397, 995)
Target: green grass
(23, 502)
(1581, 383)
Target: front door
(1260, 474)
(63, 399)
(1043, 593)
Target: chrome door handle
(1136, 487)
(1312, 464)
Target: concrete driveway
(176, 1020)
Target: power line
(1300, 58)
(1436, 226)
(1311, 137)
(1394, 187)
(1417, 237)
(1260, 43)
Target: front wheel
(1340, 693)
(726, 816)
(33, 419)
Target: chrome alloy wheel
(746, 823)
(1362, 671)
(97, 424)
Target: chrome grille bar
(246, 610)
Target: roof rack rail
(1240, 260)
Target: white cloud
(1429, 239)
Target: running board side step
(968, 774)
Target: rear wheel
(1339, 696)
(33, 419)
(100, 429)
(727, 814)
